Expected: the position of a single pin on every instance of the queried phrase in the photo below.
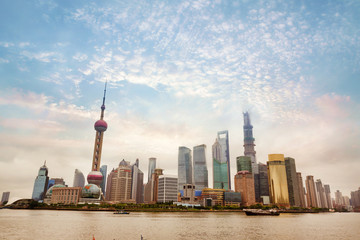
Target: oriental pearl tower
(95, 176)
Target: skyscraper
(79, 179)
(119, 189)
(137, 182)
(152, 166)
(200, 168)
(249, 146)
(301, 190)
(311, 192)
(103, 170)
(185, 174)
(278, 187)
(243, 163)
(244, 184)
(321, 198)
(221, 161)
(41, 183)
(293, 185)
(263, 182)
(95, 176)
(328, 195)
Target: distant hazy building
(41, 183)
(168, 189)
(243, 163)
(79, 179)
(278, 187)
(232, 199)
(200, 168)
(321, 198)
(221, 161)
(185, 174)
(244, 184)
(311, 192)
(328, 195)
(301, 190)
(339, 201)
(119, 184)
(263, 182)
(355, 199)
(152, 166)
(137, 182)
(292, 181)
(5, 198)
(103, 170)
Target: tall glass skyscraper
(221, 161)
(200, 168)
(79, 179)
(243, 163)
(41, 183)
(293, 184)
(185, 173)
(103, 170)
(152, 166)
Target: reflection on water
(45, 224)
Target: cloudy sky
(178, 72)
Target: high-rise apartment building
(301, 190)
(339, 200)
(355, 199)
(103, 170)
(185, 173)
(243, 163)
(221, 161)
(244, 184)
(168, 189)
(119, 186)
(151, 168)
(79, 179)
(311, 192)
(278, 187)
(152, 187)
(249, 146)
(292, 181)
(321, 198)
(41, 183)
(328, 195)
(200, 168)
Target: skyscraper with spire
(249, 146)
(95, 176)
(221, 161)
(41, 183)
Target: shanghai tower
(249, 146)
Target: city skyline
(177, 74)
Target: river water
(47, 224)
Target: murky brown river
(43, 224)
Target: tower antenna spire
(104, 94)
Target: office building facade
(151, 168)
(244, 184)
(200, 168)
(185, 173)
(221, 162)
(278, 187)
(168, 189)
(301, 190)
(311, 196)
(292, 181)
(41, 183)
(249, 146)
